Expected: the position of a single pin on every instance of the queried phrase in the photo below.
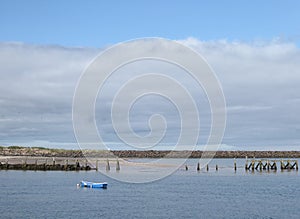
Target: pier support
(107, 165)
(235, 164)
(35, 164)
(66, 164)
(118, 166)
(86, 164)
(271, 165)
(246, 164)
(24, 164)
(44, 164)
(260, 166)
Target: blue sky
(100, 23)
(253, 47)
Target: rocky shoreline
(49, 152)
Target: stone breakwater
(39, 152)
(46, 152)
(198, 154)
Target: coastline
(49, 152)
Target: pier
(57, 163)
(257, 165)
(44, 164)
(114, 164)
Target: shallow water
(185, 194)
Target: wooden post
(265, 165)
(24, 164)
(77, 164)
(35, 164)
(53, 161)
(6, 163)
(268, 165)
(246, 164)
(96, 165)
(186, 167)
(66, 164)
(107, 165)
(118, 166)
(207, 168)
(257, 165)
(260, 165)
(217, 167)
(250, 166)
(296, 164)
(198, 166)
(253, 164)
(235, 164)
(45, 164)
(293, 165)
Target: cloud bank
(260, 81)
(261, 85)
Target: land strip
(49, 152)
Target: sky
(252, 46)
(98, 23)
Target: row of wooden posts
(250, 165)
(108, 165)
(259, 165)
(207, 167)
(271, 165)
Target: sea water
(184, 194)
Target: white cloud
(36, 89)
(260, 82)
(261, 85)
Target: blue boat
(87, 184)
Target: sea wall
(46, 152)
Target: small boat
(87, 184)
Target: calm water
(185, 194)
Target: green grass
(41, 148)
(15, 147)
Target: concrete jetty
(56, 163)
(30, 163)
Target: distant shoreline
(49, 152)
